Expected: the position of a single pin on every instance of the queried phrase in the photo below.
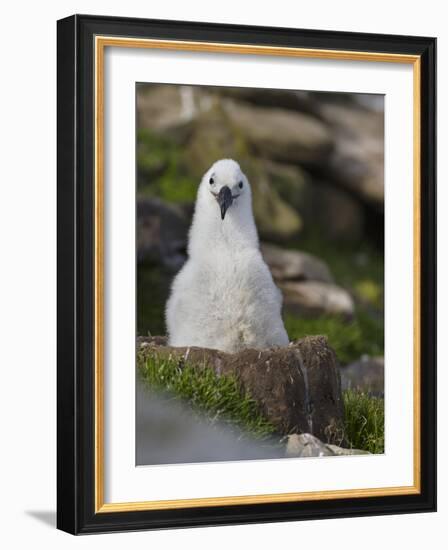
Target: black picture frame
(76, 262)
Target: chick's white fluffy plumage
(224, 297)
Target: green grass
(364, 421)
(218, 398)
(350, 340)
(160, 169)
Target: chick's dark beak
(224, 199)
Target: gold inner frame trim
(101, 42)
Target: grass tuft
(217, 398)
(364, 421)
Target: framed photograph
(246, 274)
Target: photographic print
(260, 273)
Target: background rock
(357, 161)
(314, 159)
(215, 137)
(334, 212)
(292, 182)
(294, 265)
(294, 100)
(167, 110)
(276, 219)
(297, 387)
(281, 134)
(306, 283)
(316, 298)
(367, 375)
(161, 232)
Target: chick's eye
(211, 181)
(240, 185)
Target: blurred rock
(373, 102)
(292, 183)
(357, 161)
(307, 445)
(366, 374)
(342, 451)
(161, 233)
(297, 387)
(168, 431)
(276, 220)
(167, 110)
(294, 265)
(212, 138)
(215, 137)
(265, 97)
(335, 212)
(281, 134)
(316, 298)
(315, 160)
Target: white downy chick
(224, 296)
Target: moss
(160, 169)
(364, 421)
(369, 291)
(217, 398)
(153, 155)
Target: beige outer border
(101, 42)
